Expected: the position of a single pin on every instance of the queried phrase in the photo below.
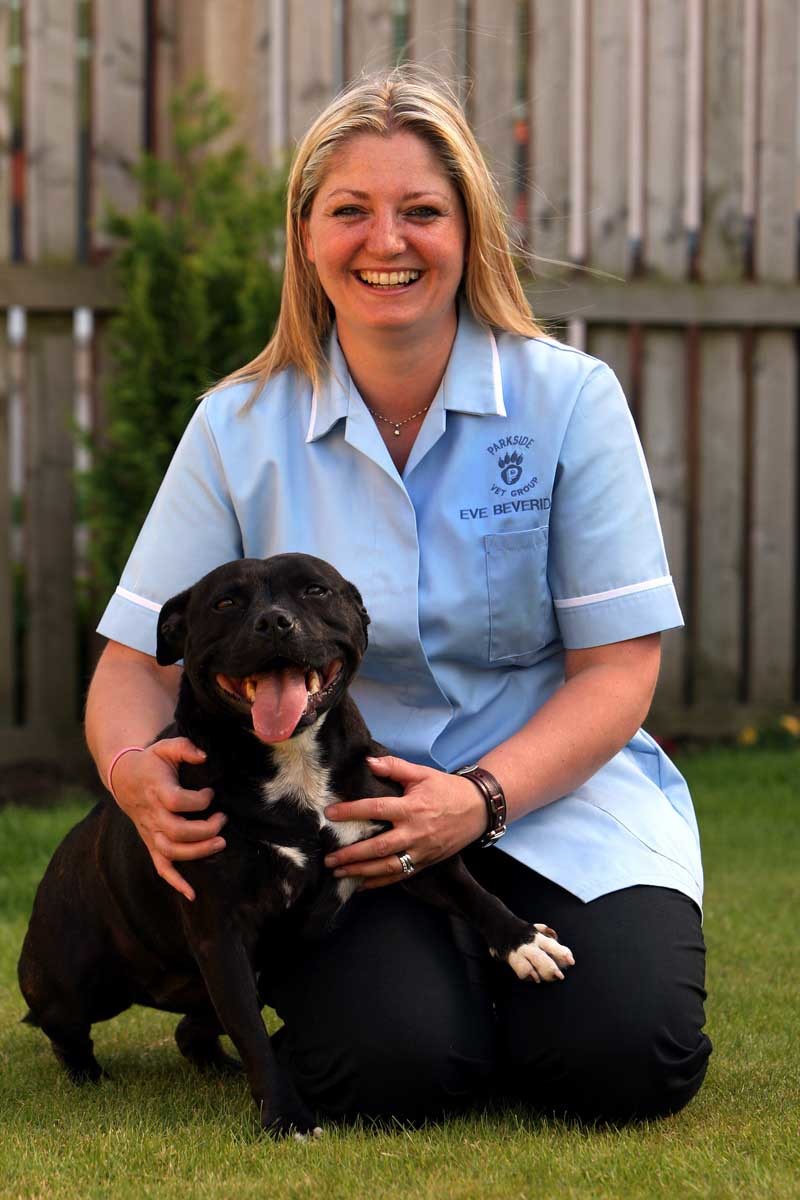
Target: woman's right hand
(146, 789)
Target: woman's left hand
(436, 817)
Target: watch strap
(495, 801)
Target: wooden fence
(648, 151)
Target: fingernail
(330, 861)
(339, 874)
(224, 820)
(218, 844)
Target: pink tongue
(280, 702)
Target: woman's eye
(347, 210)
(424, 210)
(316, 589)
(225, 602)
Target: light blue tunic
(524, 522)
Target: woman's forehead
(363, 159)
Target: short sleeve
(607, 566)
(190, 529)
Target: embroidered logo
(511, 467)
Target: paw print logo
(510, 467)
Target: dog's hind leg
(197, 1036)
(72, 1046)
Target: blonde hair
(401, 100)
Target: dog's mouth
(279, 699)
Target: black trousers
(400, 1012)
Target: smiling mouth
(380, 280)
(279, 699)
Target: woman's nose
(385, 236)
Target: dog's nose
(275, 621)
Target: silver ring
(406, 864)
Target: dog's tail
(29, 1019)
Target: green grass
(157, 1130)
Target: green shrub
(198, 264)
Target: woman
(484, 487)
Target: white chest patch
(302, 780)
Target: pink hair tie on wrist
(115, 760)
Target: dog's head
(275, 641)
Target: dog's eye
(225, 602)
(316, 589)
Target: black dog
(269, 648)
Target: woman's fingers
(186, 851)
(168, 873)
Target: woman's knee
(631, 1075)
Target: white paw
(541, 959)
(315, 1133)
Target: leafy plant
(199, 269)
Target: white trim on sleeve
(629, 589)
(140, 600)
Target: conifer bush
(199, 268)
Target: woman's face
(388, 235)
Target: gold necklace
(398, 425)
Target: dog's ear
(355, 595)
(171, 636)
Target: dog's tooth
(250, 689)
(314, 682)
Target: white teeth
(314, 683)
(388, 278)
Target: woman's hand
(436, 817)
(147, 790)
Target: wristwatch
(495, 801)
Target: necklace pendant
(397, 431)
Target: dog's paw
(294, 1123)
(542, 958)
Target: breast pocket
(521, 617)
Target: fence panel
(118, 107)
(664, 250)
(773, 431)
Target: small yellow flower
(791, 724)
(748, 736)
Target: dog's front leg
(532, 951)
(228, 975)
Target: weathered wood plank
(51, 287)
(609, 57)
(311, 63)
(369, 36)
(774, 535)
(243, 78)
(52, 130)
(118, 109)
(492, 107)
(5, 133)
(435, 37)
(723, 226)
(664, 417)
(51, 635)
(663, 431)
(717, 670)
(6, 582)
(41, 743)
(548, 88)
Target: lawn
(157, 1129)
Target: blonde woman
(483, 486)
